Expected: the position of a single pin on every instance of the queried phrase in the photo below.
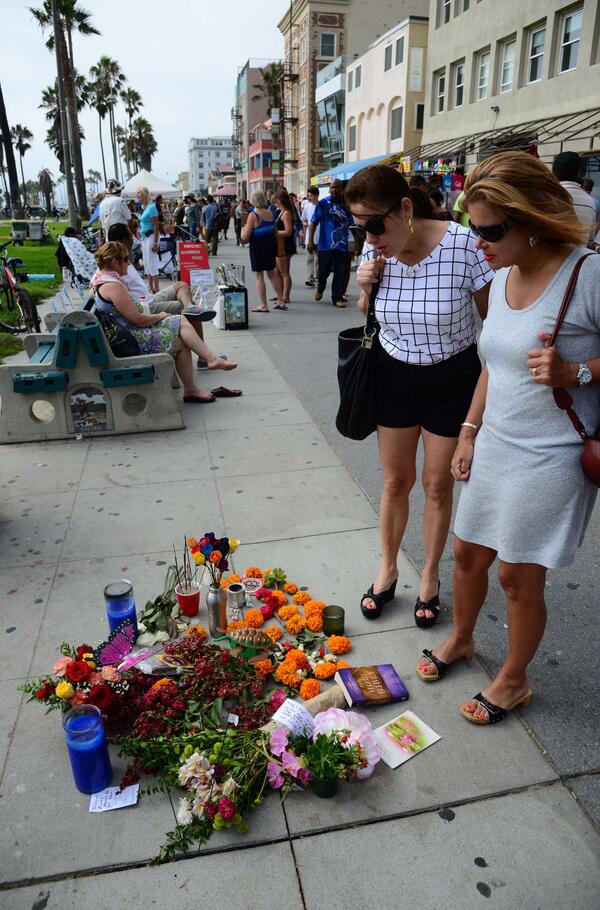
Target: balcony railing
(333, 69)
(289, 114)
(290, 69)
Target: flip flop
(222, 392)
(282, 307)
(193, 399)
(258, 309)
(194, 312)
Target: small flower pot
(188, 598)
(323, 787)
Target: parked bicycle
(14, 299)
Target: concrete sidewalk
(482, 814)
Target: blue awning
(346, 170)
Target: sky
(182, 56)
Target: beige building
(316, 32)
(385, 93)
(511, 74)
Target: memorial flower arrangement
(212, 552)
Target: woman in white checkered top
(429, 274)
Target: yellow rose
(233, 544)
(64, 690)
(198, 559)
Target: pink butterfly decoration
(117, 646)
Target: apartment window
(387, 64)
(419, 116)
(570, 33)
(465, 6)
(350, 81)
(440, 91)
(357, 76)
(507, 65)
(396, 124)
(446, 11)
(459, 83)
(399, 50)
(483, 75)
(303, 49)
(352, 138)
(302, 139)
(535, 62)
(327, 44)
(302, 95)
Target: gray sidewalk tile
(524, 851)
(32, 528)
(293, 504)
(10, 703)
(467, 763)
(241, 880)
(46, 467)
(587, 791)
(24, 593)
(254, 451)
(107, 523)
(256, 382)
(271, 413)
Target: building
(183, 183)
(511, 75)
(223, 177)
(252, 106)
(330, 98)
(316, 33)
(385, 93)
(205, 156)
(260, 158)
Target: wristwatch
(584, 374)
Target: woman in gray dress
(525, 498)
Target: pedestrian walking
(210, 222)
(311, 255)
(285, 241)
(334, 220)
(193, 218)
(566, 167)
(428, 273)
(525, 499)
(259, 232)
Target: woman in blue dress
(259, 232)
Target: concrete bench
(73, 385)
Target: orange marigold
(280, 597)
(253, 572)
(309, 688)
(286, 613)
(290, 588)
(338, 644)
(342, 664)
(288, 676)
(296, 658)
(161, 682)
(314, 606)
(255, 619)
(238, 624)
(295, 625)
(325, 670)
(301, 598)
(197, 632)
(314, 623)
(264, 667)
(274, 633)
(225, 582)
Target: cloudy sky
(181, 55)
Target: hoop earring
(533, 240)
(411, 229)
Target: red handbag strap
(562, 398)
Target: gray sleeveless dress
(527, 497)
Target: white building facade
(205, 156)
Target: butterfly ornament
(117, 646)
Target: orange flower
(280, 597)
(286, 613)
(215, 557)
(309, 688)
(238, 624)
(274, 633)
(255, 619)
(161, 682)
(325, 670)
(197, 632)
(314, 623)
(301, 598)
(314, 607)
(288, 676)
(295, 625)
(338, 644)
(191, 542)
(296, 658)
(342, 664)
(253, 572)
(290, 588)
(264, 667)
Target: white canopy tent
(154, 184)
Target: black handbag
(357, 350)
(122, 343)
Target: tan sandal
(494, 712)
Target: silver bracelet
(472, 425)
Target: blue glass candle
(88, 749)
(120, 603)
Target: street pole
(74, 220)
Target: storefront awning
(345, 171)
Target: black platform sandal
(433, 605)
(379, 600)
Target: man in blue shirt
(210, 221)
(334, 220)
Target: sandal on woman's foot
(494, 713)
(194, 399)
(379, 600)
(438, 667)
(433, 605)
(260, 309)
(280, 306)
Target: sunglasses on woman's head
(374, 225)
(490, 232)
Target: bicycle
(14, 299)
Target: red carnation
(84, 649)
(226, 808)
(267, 611)
(101, 695)
(77, 670)
(45, 691)
(210, 811)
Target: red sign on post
(191, 255)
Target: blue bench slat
(48, 381)
(114, 379)
(43, 353)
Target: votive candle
(88, 749)
(120, 603)
(333, 620)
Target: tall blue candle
(120, 603)
(88, 749)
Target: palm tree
(93, 179)
(121, 139)
(270, 85)
(46, 184)
(143, 143)
(98, 102)
(51, 105)
(11, 166)
(109, 79)
(20, 137)
(133, 104)
(72, 18)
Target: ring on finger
(534, 371)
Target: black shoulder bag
(357, 350)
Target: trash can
(19, 232)
(36, 230)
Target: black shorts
(435, 397)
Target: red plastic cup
(189, 599)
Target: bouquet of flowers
(212, 552)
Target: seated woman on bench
(154, 332)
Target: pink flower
(110, 674)
(291, 763)
(226, 808)
(262, 592)
(358, 730)
(94, 678)
(268, 612)
(59, 666)
(304, 775)
(277, 698)
(274, 775)
(278, 741)
(78, 699)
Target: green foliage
(327, 757)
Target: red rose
(84, 649)
(101, 695)
(44, 692)
(77, 670)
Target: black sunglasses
(490, 232)
(374, 225)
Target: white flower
(195, 770)
(184, 815)
(229, 786)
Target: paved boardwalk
(484, 814)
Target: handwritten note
(295, 717)
(114, 798)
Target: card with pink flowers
(403, 737)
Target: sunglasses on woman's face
(374, 225)
(490, 232)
